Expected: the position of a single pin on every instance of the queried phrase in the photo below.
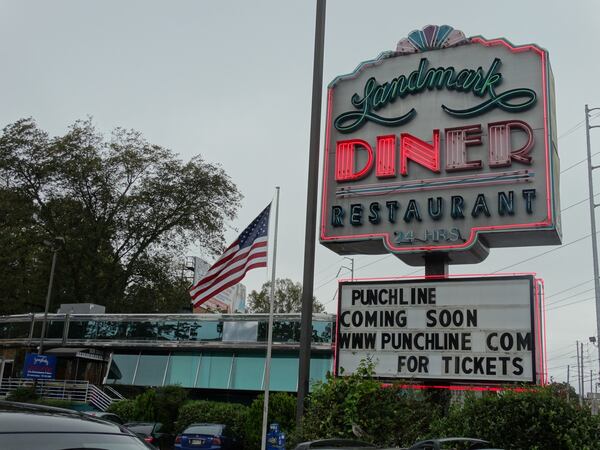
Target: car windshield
(213, 430)
(70, 441)
(143, 429)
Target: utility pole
(579, 374)
(568, 381)
(351, 268)
(593, 206)
(582, 380)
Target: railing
(98, 398)
(112, 392)
(70, 390)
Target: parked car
(24, 426)
(106, 416)
(151, 433)
(337, 444)
(206, 435)
(452, 443)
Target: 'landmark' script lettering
(481, 84)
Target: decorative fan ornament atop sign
(447, 145)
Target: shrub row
(357, 406)
(529, 418)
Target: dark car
(106, 416)
(24, 427)
(151, 433)
(206, 435)
(338, 444)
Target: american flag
(248, 251)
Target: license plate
(196, 441)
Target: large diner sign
(460, 330)
(447, 144)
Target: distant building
(231, 300)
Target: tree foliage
(124, 207)
(288, 298)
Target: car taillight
(216, 440)
(149, 439)
(178, 439)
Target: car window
(204, 429)
(114, 418)
(70, 441)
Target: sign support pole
(311, 214)
(436, 265)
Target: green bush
(125, 409)
(233, 415)
(23, 394)
(145, 406)
(167, 402)
(357, 406)
(533, 419)
(282, 409)
(154, 405)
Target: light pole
(55, 246)
(593, 206)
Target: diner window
(82, 329)
(283, 331)
(111, 330)
(122, 369)
(206, 330)
(182, 369)
(248, 371)
(151, 370)
(214, 371)
(142, 330)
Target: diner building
(212, 353)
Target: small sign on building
(42, 367)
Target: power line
(543, 253)
(569, 297)
(568, 289)
(572, 303)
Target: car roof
(326, 444)
(141, 423)
(23, 417)
(206, 424)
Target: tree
(126, 209)
(288, 298)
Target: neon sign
(438, 144)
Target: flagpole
(270, 329)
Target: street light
(55, 246)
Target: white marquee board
(454, 330)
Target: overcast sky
(231, 80)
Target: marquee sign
(446, 145)
(453, 330)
